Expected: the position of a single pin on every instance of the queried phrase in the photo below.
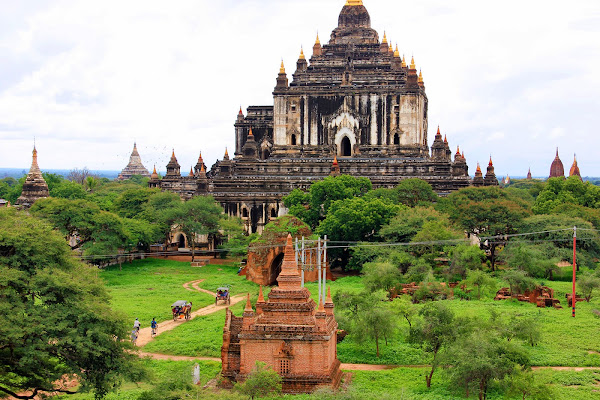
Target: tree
(381, 275)
(434, 331)
(587, 283)
(414, 191)
(131, 202)
(262, 381)
(523, 383)
(354, 219)
(463, 258)
(481, 281)
(519, 282)
(486, 211)
(477, 359)
(537, 260)
(198, 216)
(405, 308)
(429, 241)
(566, 191)
(68, 190)
(79, 175)
(56, 316)
(366, 314)
(403, 227)
(314, 206)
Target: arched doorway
(275, 269)
(293, 140)
(396, 139)
(346, 147)
(181, 241)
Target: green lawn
(566, 341)
(146, 289)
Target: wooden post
(573, 299)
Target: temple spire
(282, 68)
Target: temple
(35, 186)
(288, 332)
(134, 167)
(556, 168)
(354, 107)
(574, 171)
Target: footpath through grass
(145, 289)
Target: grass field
(566, 341)
(146, 289)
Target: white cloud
(513, 78)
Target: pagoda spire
(282, 68)
(289, 278)
(261, 298)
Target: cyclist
(154, 326)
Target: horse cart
(222, 294)
(182, 309)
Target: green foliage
(68, 190)
(262, 381)
(424, 242)
(525, 385)
(481, 358)
(435, 330)
(463, 258)
(10, 188)
(414, 191)
(56, 315)
(381, 275)
(538, 261)
(200, 215)
(366, 314)
(488, 211)
(481, 281)
(314, 206)
(403, 227)
(131, 202)
(587, 283)
(571, 190)
(519, 281)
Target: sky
(511, 79)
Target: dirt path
(196, 288)
(145, 334)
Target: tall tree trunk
(192, 241)
(377, 345)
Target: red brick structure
(556, 168)
(288, 332)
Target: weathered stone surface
(354, 100)
(35, 186)
(135, 166)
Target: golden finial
(478, 168)
(420, 76)
(282, 68)
(391, 49)
(301, 54)
(154, 172)
(250, 134)
(226, 157)
(403, 61)
(458, 150)
(438, 132)
(191, 171)
(173, 154)
(202, 168)
(396, 52)
(490, 164)
(317, 41)
(354, 2)
(384, 38)
(335, 161)
(412, 63)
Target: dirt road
(145, 334)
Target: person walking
(136, 324)
(154, 326)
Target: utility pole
(324, 266)
(319, 265)
(302, 255)
(574, 266)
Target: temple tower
(134, 167)
(35, 186)
(289, 333)
(574, 171)
(556, 168)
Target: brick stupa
(135, 166)
(34, 187)
(288, 333)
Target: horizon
(86, 84)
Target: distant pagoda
(135, 166)
(34, 187)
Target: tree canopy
(56, 315)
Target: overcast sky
(514, 79)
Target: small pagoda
(35, 186)
(135, 166)
(289, 333)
